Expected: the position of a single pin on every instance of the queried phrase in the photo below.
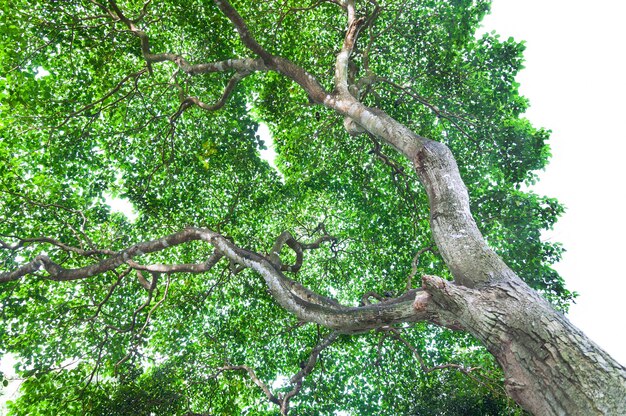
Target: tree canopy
(159, 104)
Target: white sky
(575, 79)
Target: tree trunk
(550, 367)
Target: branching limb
(98, 362)
(244, 32)
(297, 247)
(307, 81)
(317, 243)
(194, 101)
(375, 121)
(149, 286)
(245, 65)
(307, 305)
(272, 398)
(108, 295)
(156, 305)
(144, 11)
(343, 58)
(136, 336)
(365, 298)
(58, 273)
(307, 368)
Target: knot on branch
(365, 299)
(421, 301)
(297, 247)
(51, 267)
(352, 127)
(450, 301)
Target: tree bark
(550, 367)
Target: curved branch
(254, 378)
(307, 368)
(244, 32)
(312, 307)
(343, 58)
(307, 305)
(189, 101)
(292, 71)
(470, 260)
(239, 65)
(297, 247)
(58, 273)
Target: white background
(575, 80)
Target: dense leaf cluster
(84, 121)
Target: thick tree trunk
(551, 368)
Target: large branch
(244, 65)
(244, 32)
(58, 273)
(306, 304)
(308, 82)
(460, 242)
(343, 57)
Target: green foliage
(83, 120)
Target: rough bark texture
(551, 368)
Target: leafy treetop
(90, 113)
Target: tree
(183, 308)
